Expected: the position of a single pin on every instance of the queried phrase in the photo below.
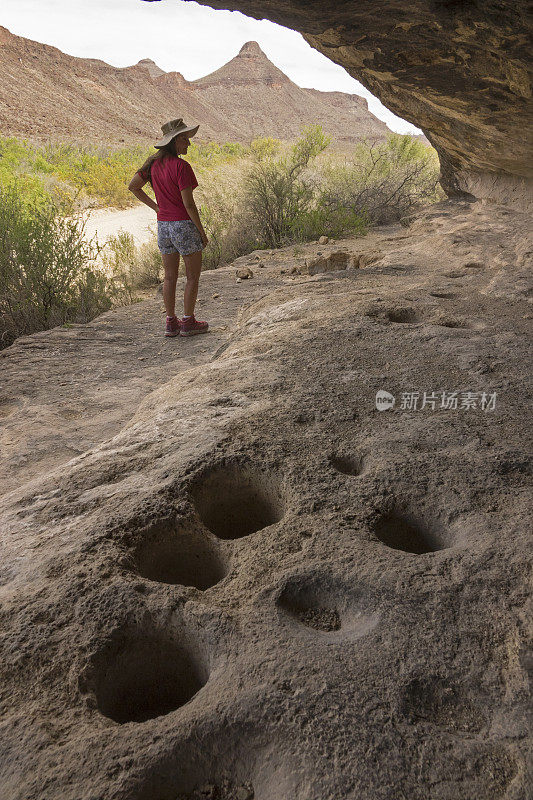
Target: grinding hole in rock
(402, 532)
(146, 676)
(404, 315)
(444, 295)
(453, 323)
(347, 464)
(321, 619)
(451, 705)
(179, 556)
(303, 601)
(326, 604)
(221, 759)
(234, 501)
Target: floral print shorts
(180, 236)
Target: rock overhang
(459, 70)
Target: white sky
(182, 36)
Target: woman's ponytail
(163, 152)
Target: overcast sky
(182, 36)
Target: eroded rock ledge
(459, 70)
(253, 584)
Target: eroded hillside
(49, 95)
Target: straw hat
(174, 128)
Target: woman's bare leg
(193, 268)
(171, 263)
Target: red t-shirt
(169, 176)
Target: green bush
(81, 175)
(130, 268)
(47, 272)
(271, 201)
(382, 181)
(100, 173)
(277, 197)
(119, 258)
(220, 203)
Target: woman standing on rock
(179, 230)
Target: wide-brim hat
(174, 128)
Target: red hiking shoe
(172, 328)
(191, 326)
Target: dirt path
(139, 221)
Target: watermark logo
(450, 401)
(384, 400)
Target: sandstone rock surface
(243, 580)
(244, 273)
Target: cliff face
(47, 94)
(459, 70)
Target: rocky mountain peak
(251, 49)
(5, 35)
(257, 70)
(151, 66)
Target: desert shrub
(72, 175)
(119, 258)
(333, 221)
(381, 181)
(273, 199)
(47, 269)
(277, 195)
(98, 172)
(208, 154)
(265, 148)
(221, 207)
(129, 268)
(16, 167)
(149, 264)
(88, 175)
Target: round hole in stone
(401, 532)
(403, 315)
(179, 556)
(234, 501)
(228, 761)
(321, 619)
(434, 699)
(453, 323)
(325, 604)
(444, 295)
(347, 464)
(146, 676)
(303, 602)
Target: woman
(179, 230)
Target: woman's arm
(135, 187)
(192, 211)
